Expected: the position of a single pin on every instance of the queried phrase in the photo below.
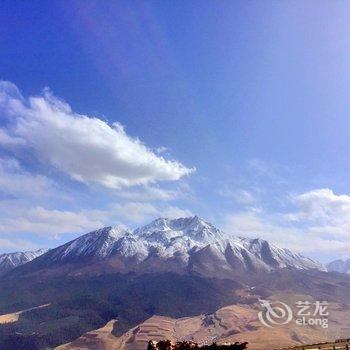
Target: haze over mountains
(184, 245)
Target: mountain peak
(193, 228)
(178, 223)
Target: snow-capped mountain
(339, 265)
(8, 261)
(181, 245)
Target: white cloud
(322, 204)
(86, 148)
(325, 213)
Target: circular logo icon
(275, 313)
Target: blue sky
(121, 112)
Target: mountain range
(173, 268)
(184, 245)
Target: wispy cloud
(17, 218)
(238, 195)
(149, 193)
(15, 244)
(14, 180)
(140, 212)
(48, 222)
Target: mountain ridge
(183, 245)
(9, 261)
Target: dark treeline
(187, 345)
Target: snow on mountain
(8, 261)
(279, 257)
(186, 244)
(339, 265)
(101, 243)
